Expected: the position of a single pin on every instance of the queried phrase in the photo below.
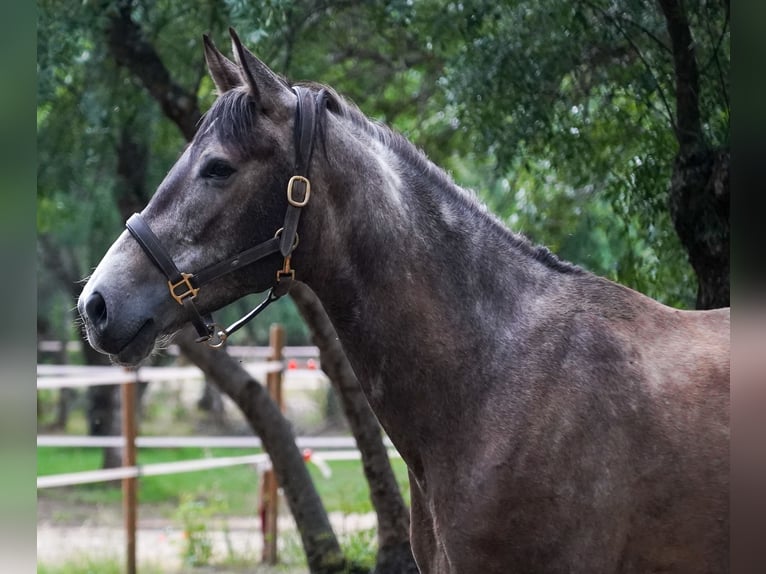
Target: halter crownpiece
(184, 287)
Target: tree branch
(130, 49)
(640, 55)
(688, 126)
(713, 59)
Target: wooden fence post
(128, 407)
(270, 486)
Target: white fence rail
(329, 442)
(303, 352)
(69, 376)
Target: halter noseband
(184, 287)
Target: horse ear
(265, 86)
(224, 72)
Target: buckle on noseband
(291, 187)
(191, 291)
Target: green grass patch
(95, 566)
(240, 483)
(346, 490)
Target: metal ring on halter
(218, 338)
(295, 241)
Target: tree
(699, 188)
(586, 108)
(262, 413)
(394, 551)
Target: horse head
(225, 194)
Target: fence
(272, 361)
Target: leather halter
(184, 287)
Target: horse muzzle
(126, 331)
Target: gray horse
(551, 420)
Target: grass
(85, 565)
(345, 491)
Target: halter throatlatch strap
(184, 287)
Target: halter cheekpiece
(184, 287)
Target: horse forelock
(232, 119)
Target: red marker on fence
(311, 364)
(307, 454)
(292, 364)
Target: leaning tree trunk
(699, 189)
(394, 551)
(262, 413)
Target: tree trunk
(394, 552)
(211, 402)
(319, 541)
(66, 397)
(699, 188)
(699, 207)
(131, 49)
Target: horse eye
(217, 169)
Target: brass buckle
(190, 291)
(291, 186)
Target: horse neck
(418, 280)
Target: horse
(551, 420)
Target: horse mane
(415, 156)
(236, 113)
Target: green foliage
(95, 566)
(46, 405)
(361, 548)
(197, 512)
(559, 115)
(579, 120)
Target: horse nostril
(95, 309)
